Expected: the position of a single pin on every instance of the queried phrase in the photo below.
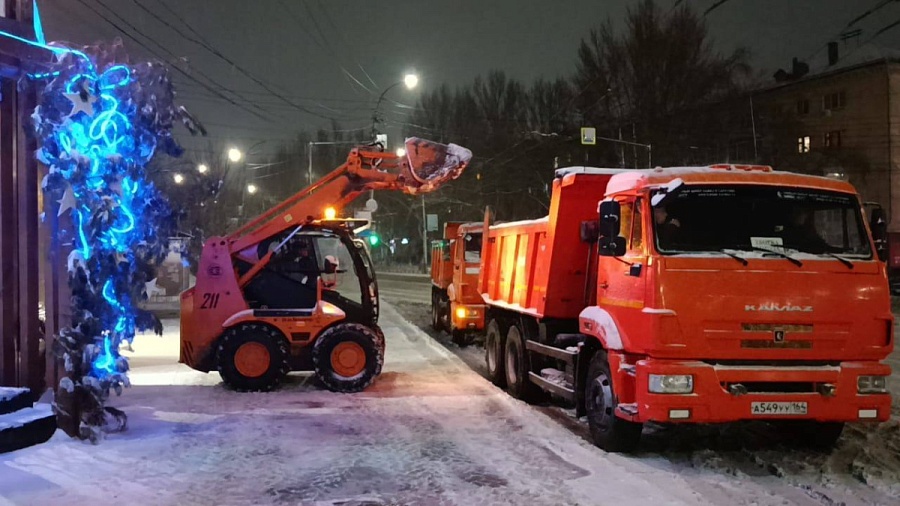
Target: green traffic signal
(373, 239)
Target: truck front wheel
(608, 431)
(437, 322)
(493, 354)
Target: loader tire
(516, 367)
(348, 357)
(608, 431)
(494, 344)
(252, 357)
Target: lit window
(803, 144)
(833, 139)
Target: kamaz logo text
(779, 309)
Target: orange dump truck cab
(693, 295)
(456, 304)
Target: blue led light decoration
(99, 121)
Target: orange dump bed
(519, 257)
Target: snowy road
(429, 431)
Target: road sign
(588, 135)
(432, 222)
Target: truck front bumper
(731, 393)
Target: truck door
(620, 280)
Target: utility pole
(424, 236)
(753, 125)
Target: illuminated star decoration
(98, 123)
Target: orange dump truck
(693, 295)
(456, 304)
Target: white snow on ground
(429, 431)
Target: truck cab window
(636, 241)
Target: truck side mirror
(611, 243)
(878, 222)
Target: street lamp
(401, 152)
(409, 80)
(251, 188)
(235, 155)
(178, 178)
(202, 168)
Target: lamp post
(409, 80)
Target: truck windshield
(702, 218)
(473, 248)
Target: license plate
(778, 408)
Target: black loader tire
(361, 338)
(494, 344)
(258, 336)
(608, 431)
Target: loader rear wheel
(252, 358)
(608, 431)
(348, 357)
(517, 367)
(493, 354)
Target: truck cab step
(562, 390)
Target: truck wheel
(812, 434)
(348, 357)
(608, 431)
(252, 358)
(436, 319)
(493, 354)
(516, 366)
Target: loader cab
(333, 254)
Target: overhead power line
(156, 54)
(231, 62)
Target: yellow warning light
(330, 213)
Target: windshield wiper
(739, 258)
(841, 259)
(782, 254)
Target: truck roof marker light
(330, 213)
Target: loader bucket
(432, 164)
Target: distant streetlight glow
(401, 152)
(203, 168)
(178, 178)
(235, 155)
(411, 81)
(251, 188)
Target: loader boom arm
(425, 167)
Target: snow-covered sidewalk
(429, 431)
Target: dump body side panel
(539, 267)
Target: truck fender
(597, 322)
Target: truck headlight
(871, 385)
(671, 383)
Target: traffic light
(374, 239)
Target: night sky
(312, 52)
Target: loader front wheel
(252, 358)
(348, 357)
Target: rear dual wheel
(493, 353)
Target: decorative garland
(99, 122)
